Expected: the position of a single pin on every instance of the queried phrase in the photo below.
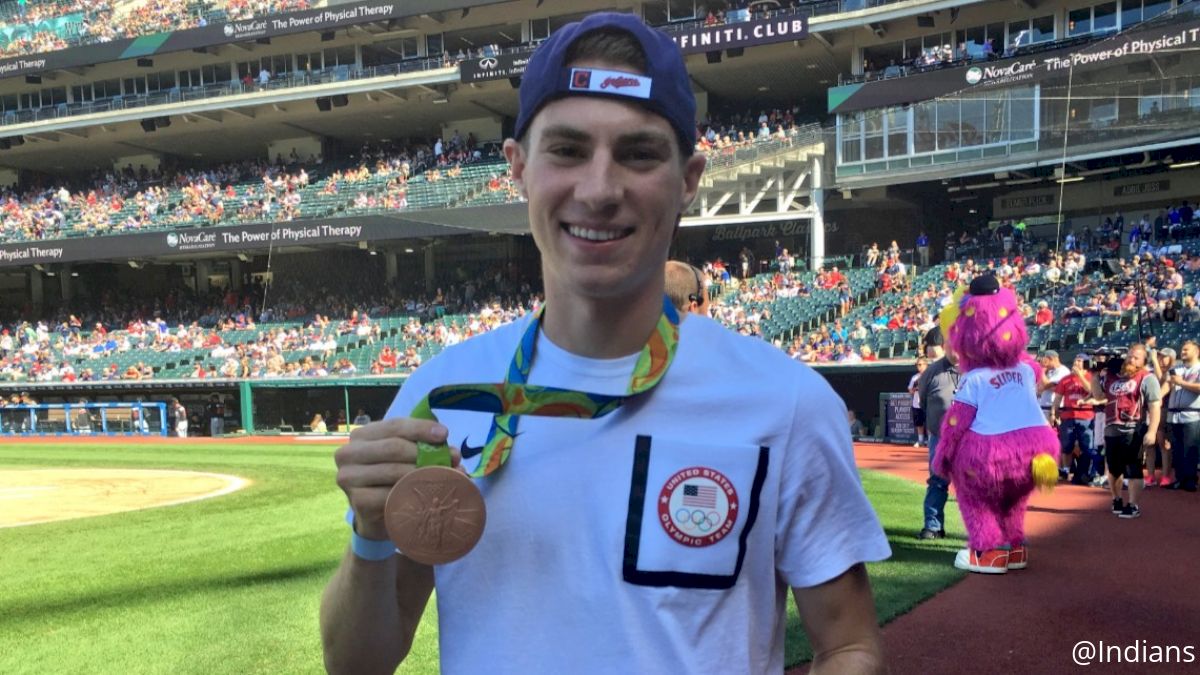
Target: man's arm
(371, 609)
(839, 617)
(370, 612)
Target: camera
(1106, 359)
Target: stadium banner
(692, 40)
(65, 26)
(1022, 70)
(896, 411)
(192, 240)
(257, 28)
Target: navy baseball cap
(665, 90)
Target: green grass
(233, 584)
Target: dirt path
(1091, 576)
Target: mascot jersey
(1005, 399)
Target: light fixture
(1185, 165)
(972, 211)
(408, 250)
(374, 252)
(51, 274)
(1072, 179)
(440, 100)
(75, 274)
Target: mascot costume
(995, 444)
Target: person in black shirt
(215, 410)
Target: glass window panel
(1104, 19)
(81, 93)
(897, 132)
(1079, 21)
(681, 10)
(997, 117)
(1021, 104)
(1019, 34)
(1043, 29)
(1150, 102)
(912, 48)
(1104, 112)
(923, 127)
(947, 124)
(974, 119)
(8, 102)
(655, 12)
(1152, 8)
(433, 45)
(851, 127)
(1131, 12)
(409, 48)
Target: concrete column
(429, 268)
(64, 278)
(36, 292)
(392, 267)
(203, 269)
(235, 274)
(816, 243)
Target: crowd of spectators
(102, 23)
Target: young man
(580, 568)
(1184, 409)
(1053, 372)
(936, 387)
(1132, 405)
(1072, 412)
(918, 414)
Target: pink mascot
(995, 445)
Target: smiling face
(606, 183)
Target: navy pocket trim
(633, 528)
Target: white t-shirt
(1054, 375)
(1006, 399)
(912, 386)
(581, 568)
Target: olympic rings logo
(698, 519)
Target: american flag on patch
(701, 496)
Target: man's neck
(600, 329)
(1191, 364)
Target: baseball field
(126, 556)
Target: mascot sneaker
(993, 561)
(1018, 558)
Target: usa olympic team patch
(698, 506)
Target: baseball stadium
(231, 230)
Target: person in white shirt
(617, 585)
(1053, 371)
(918, 414)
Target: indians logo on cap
(610, 82)
(698, 506)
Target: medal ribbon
(514, 397)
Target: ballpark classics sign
(691, 40)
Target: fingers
(408, 428)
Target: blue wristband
(368, 549)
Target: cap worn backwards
(665, 89)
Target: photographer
(1132, 408)
(1184, 407)
(1071, 411)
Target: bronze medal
(435, 515)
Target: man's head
(1189, 352)
(922, 364)
(1135, 360)
(603, 152)
(1049, 359)
(687, 289)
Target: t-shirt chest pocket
(692, 507)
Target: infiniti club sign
(691, 40)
